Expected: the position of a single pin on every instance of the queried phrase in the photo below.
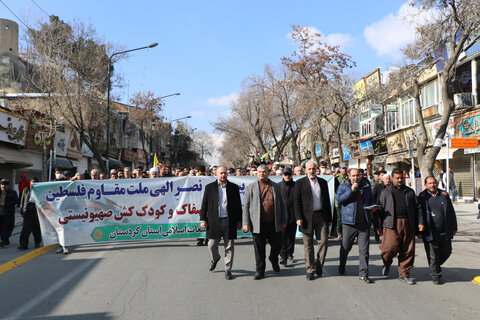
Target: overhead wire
(40, 8)
(18, 18)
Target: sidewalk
(468, 228)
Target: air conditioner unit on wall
(463, 100)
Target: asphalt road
(170, 280)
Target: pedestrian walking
(30, 225)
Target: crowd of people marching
(273, 212)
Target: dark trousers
(334, 229)
(30, 225)
(348, 237)
(401, 241)
(438, 251)
(288, 240)
(7, 223)
(267, 232)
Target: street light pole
(107, 151)
(172, 158)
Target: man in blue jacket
(440, 226)
(353, 196)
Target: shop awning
(15, 158)
(442, 155)
(397, 157)
(62, 163)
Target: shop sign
(86, 150)
(129, 155)
(12, 129)
(463, 143)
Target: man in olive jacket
(221, 215)
(402, 217)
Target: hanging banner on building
(12, 129)
(367, 147)
(379, 146)
(355, 151)
(61, 143)
(346, 153)
(318, 150)
(97, 211)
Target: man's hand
(203, 225)
(284, 225)
(330, 223)
(379, 231)
(299, 222)
(454, 232)
(374, 209)
(246, 228)
(421, 227)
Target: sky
(207, 48)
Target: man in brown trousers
(402, 218)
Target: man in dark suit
(287, 186)
(30, 218)
(263, 214)
(8, 201)
(314, 214)
(221, 215)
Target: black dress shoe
(310, 276)
(213, 264)
(275, 265)
(258, 276)
(37, 245)
(365, 278)
(341, 270)
(283, 262)
(385, 270)
(228, 275)
(437, 280)
(21, 248)
(318, 268)
(200, 242)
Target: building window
(408, 113)
(366, 128)
(429, 95)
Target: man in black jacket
(402, 217)
(8, 201)
(287, 187)
(440, 226)
(30, 218)
(221, 215)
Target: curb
(476, 280)
(25, 258)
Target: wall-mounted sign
(396, 143)
(12, 129)
(379, 146)
(318, 150)
(346, 153)
(60, 143)
(355, 151)
(367, 147)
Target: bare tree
(440, 41)
(69, 65)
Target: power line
(14, 15)
(40, 8)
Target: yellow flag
(265, 155)
(155, 161)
